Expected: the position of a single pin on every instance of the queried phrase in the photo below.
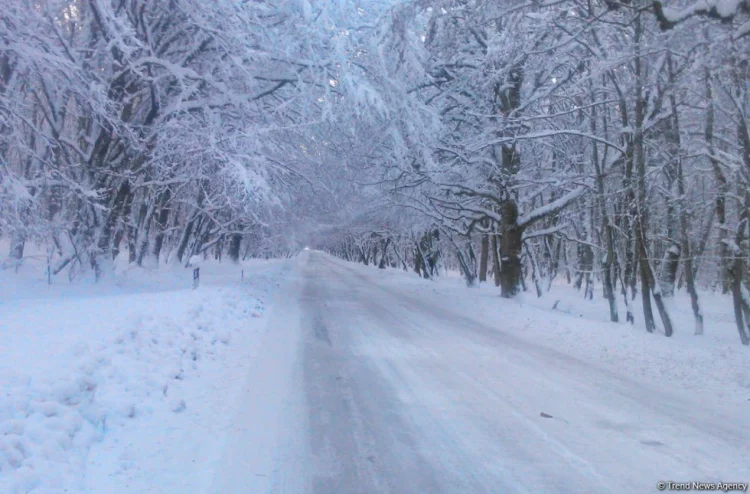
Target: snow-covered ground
(141, 384)
(127, 385)
(418, 386)
(715, 364)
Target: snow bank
(116, 368)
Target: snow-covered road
(313, 375)
(386, 392)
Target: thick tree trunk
(670, 263)
(511, 242)
(234, 247)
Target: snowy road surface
(384, 392)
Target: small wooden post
(196, 277)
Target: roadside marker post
(196, 277)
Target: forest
(603, 143)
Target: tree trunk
(670, 264)
(740, 294)
(534, 271)
(738, 301)
(484, 258)
(608, 260)
(116, 210)
(511, 242)
(234, 247)
(555, 260)
(384, 258)
(17, 243)
(626, 211)
(185, 237)
(686, 251)
(629, 316)
(645, 271)
(641, 219)
(161, 222)
(608, 277)
(201, 237)
(585, 269)
(219, 247)
(195, 221)
(422, 262)
(663, 313)
(467, 263)
(722, 189)
(144, 233)
(495, 260)
(130, 229)
(400, 257)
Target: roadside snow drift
(109, 391)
